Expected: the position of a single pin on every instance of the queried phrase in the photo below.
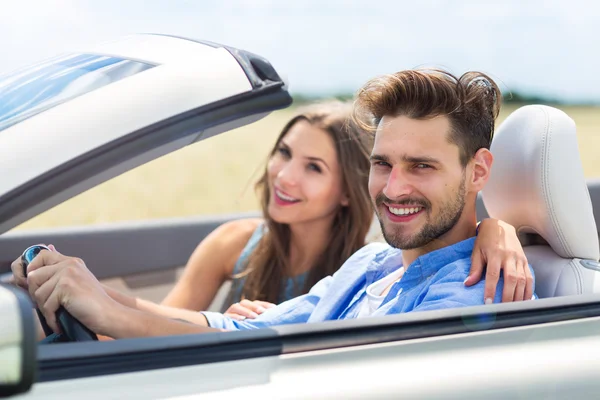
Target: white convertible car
(75, 121)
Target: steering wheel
(71, 328)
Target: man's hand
(247, 309)
(55, 280)
(497, 247)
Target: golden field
(216, 176)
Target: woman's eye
(284, 152)
(314, 167)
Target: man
(430, 159)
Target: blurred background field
(216, 176)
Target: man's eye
(423, 166)
(381, 164)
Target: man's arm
(139, 318)
(296, 310)
(157, 309)
(55, 280)
(128, 323)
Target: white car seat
(537, 185)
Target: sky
(540, 47)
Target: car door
(105, 111)
(546, 349)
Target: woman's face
(304, 177)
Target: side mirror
(18, 346)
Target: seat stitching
(579, 281)
(546, 187)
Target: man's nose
(398, 185)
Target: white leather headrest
(537, 182)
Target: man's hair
(471, 103)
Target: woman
(314, 185)
(316, 213)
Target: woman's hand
(497, 248)
(247, 309)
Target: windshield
(28, 92)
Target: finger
(35, 279)
(235, 316)
(248, 312)
(529, 281)
(265, 304)
(477, 265)
(261, 306)
(243, 311)
(45, 258)
(17, 272)
(44, 290)
(492, 276)
(253, 306)
(48, 302)
(519, 294)
(511, 277)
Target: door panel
(121, 249)
(523, 362)
(139, 258)
(158, 289)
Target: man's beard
(449, 215)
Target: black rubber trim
(76, 360)
(29, 346)
(267, 98)
(259, 70)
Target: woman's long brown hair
(268, 265)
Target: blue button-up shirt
(433, 281)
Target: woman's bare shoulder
(235, 234)
(232, 237)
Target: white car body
(547, 348)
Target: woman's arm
(210, 265)
(497, 248)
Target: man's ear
(482, 166)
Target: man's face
(416, 182)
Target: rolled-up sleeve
(294, 311)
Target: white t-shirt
(374, 293)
